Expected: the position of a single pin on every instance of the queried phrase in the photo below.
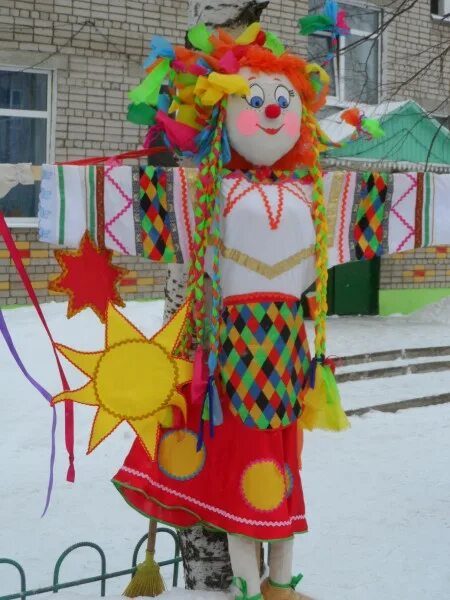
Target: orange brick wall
(144, 279)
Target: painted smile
(270, 130)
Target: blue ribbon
(160, 47)
(217, 412)
(200, 434)
(210, 407)
(213, 406)
(312, 370)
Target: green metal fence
(102, 577)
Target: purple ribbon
(9, 342)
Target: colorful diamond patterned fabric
(368, 229)
(263, 360)
(157, 242)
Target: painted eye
(282, 96)
(256, 98)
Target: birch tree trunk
(205, 553)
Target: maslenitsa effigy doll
(219, 395)
(245, 111)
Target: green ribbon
(291, 585)
(296, 580)
(148, 91)
(313, 23)
(199, 38)
(141, 114)
(273, 44)
(241, 585)
(373, 127)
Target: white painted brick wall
(104, 60)
(412, 40)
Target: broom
(147, 581)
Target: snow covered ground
(378, 495)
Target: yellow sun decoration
(134, 379)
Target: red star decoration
(89, 278)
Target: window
(440, 9)
(25, 107)
(443, 120)
(355, 72)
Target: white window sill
(335, 101)
(441, 19)
(342, 104)
(22, 222)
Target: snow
(377, 496)
(371, 392)
(389, 364)
(357, 335)
(436, 313)
(175, 594)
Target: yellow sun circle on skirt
(178, 457)
(123, 384)
(263, 485)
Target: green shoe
(241, 585)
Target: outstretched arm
(135, 211)
(377, 213)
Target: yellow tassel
(147, 581)
(322, 404)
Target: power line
(57, 51)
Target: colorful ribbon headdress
(184, 88)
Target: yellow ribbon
(187, 114)
(249, 35)
(213, 88)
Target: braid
(321, 244)
(206, 214)
(215, 239)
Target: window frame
(443, 17)
(49, 115)
(339, 66)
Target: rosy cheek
(247, 122)
(292, 124)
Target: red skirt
(244, 481)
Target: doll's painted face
(264, 125)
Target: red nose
(273, 111)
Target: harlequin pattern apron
(263, 360)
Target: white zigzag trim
(214, 509)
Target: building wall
(413, 41)
(427, 267)
(100, 47)
(413, 279)
(140, 281)
(412, 44)
(96, 51)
